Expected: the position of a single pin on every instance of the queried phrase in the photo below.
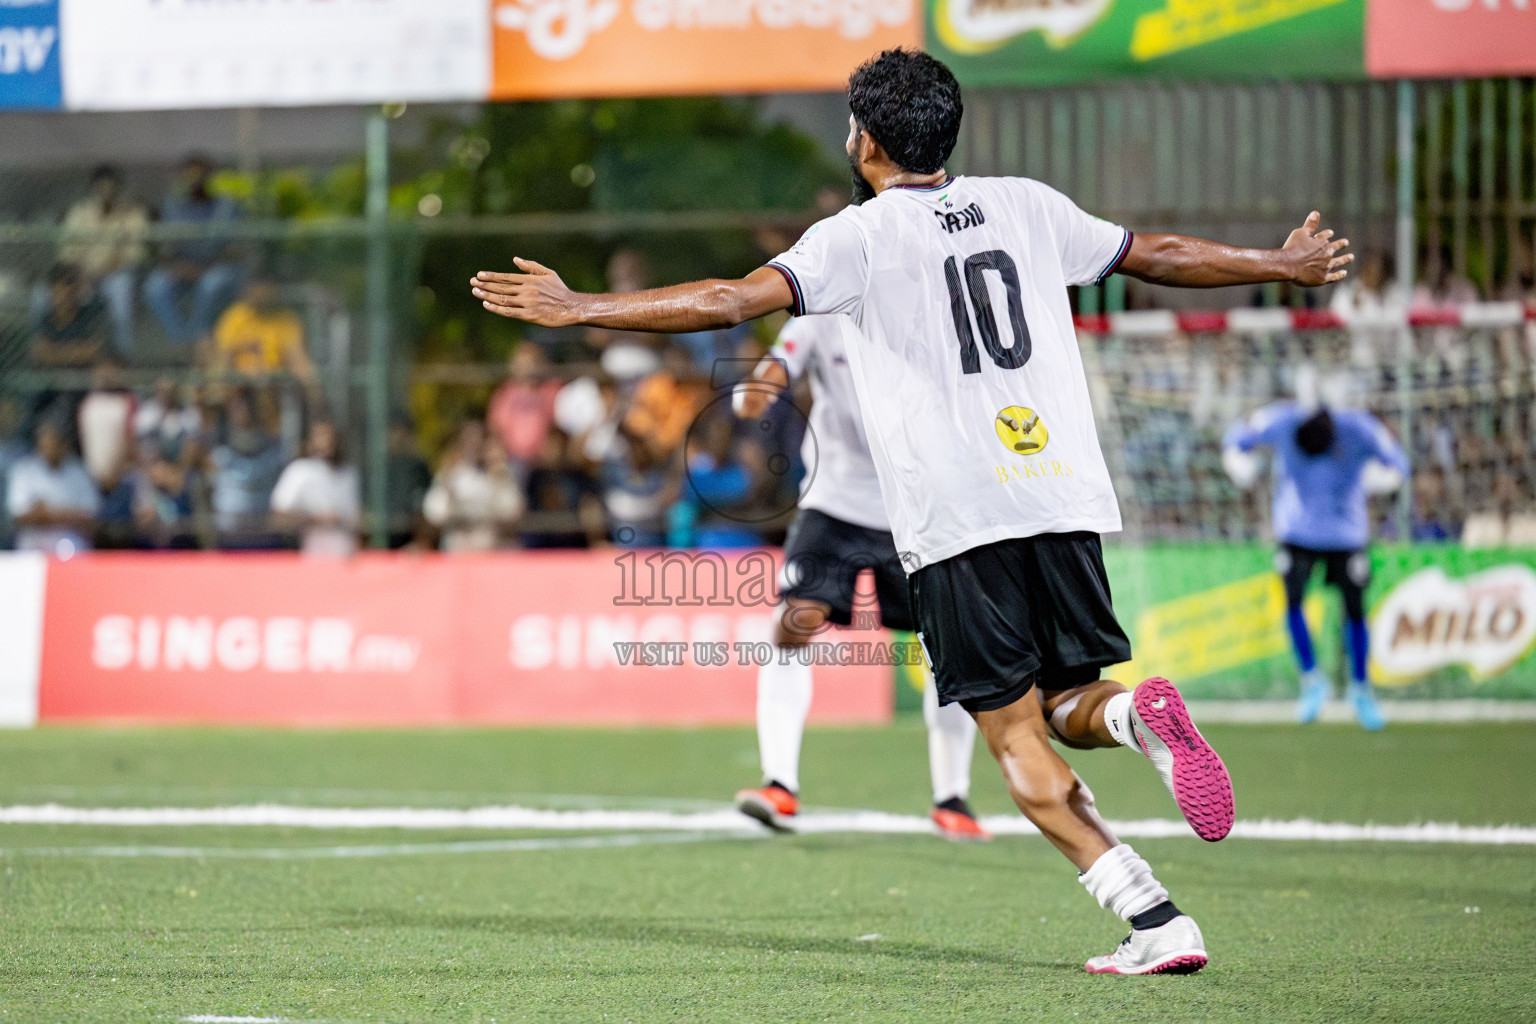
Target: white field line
(723, 822)
(377, 850)
(212, 1018)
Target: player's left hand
(536, 295)
(1315, 254)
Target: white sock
(783, 701)
(951, 742)
(1122, 882)
(1117, 717)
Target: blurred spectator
(560, 491)
(51, 498)
(1506, 497)
(245, 469)
(639, 485)
(69, 335)
(409, 479)
(105, 422)
(523, 409)
(474, 500)
(1441, 285)
(104, 241)
(1520, 284)
(319, 498)
(257, 336)
(118, 517)
(1433, 519)
(175, 502)
(166, 417)
(1371, 304)
(199, 270)
(666, 402)
(715, 484)
(12, 450)
(586, 410)
(627, 355)
(707, 349)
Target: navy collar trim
(928, 188)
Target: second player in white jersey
(974, 397)
(840, 475)
(840, 531)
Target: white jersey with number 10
(966, 362)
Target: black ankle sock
(776, 784)
(955, 803)
(1156, 917)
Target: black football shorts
(1001, 618)
(1350, 571)
(823, 557)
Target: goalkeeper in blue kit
(1320, 515)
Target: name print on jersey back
(969, 217)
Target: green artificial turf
(833, 927)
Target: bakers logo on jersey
(1021, 430)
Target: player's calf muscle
(1076, 716)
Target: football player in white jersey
(840, 530)
(976, 409)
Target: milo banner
(1444, 622)
(1059, 42)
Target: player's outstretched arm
(1309, 257)
(537, 295)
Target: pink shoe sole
(1190, 964)
(1201, 785)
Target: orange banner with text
(556, 48)
(385, 639)
(1450, 38)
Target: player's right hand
(1315, 255)
(537, 295)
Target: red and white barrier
(388, 639)
(1275, 319)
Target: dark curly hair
(910, 103)
(1315, 435)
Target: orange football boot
(955, 821)
(773, 805)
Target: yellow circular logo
(1020, 430)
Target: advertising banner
(22, 576)
(554, 48)
(383, 639)
(664, 637)
(1063, 42)
(1444, 622)
(1450, 38)
(147, 54)
(29, 55)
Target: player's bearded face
(862, 190)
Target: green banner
(1062, 42)
(1444, 622)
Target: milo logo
(976, 26)
(1486, 622)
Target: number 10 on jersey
(976, 267)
